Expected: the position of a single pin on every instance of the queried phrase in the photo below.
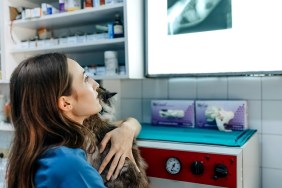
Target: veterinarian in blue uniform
(68, 167)
(50, 98)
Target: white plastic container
(99, 36)
(72, 39)
(90, 37)
(113, 1)
(122, 70)
(111, 62)
(51, 42)
(63, 40)
(32, 44)
(40, 43)
(80, 39)
(24, 44)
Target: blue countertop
(195, 135)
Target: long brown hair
(35, 87)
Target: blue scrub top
(63, 167)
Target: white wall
(264, 96)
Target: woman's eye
(86, 78)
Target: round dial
(220, 171)
(197, 168)
(173, 165)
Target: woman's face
(84, 94)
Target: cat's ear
(111, 94)
(105, 94)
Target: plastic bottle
(62, 5)
(88, 4)
(111, 62)
(118, 27)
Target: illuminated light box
(213, 37)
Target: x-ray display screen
(213, 37)
(187, 16)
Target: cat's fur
(129, 177)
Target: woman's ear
(64, 103)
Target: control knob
(197, 168)
(220, 171)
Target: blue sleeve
(66, 169)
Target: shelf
(29, 3)
(104, 44)
(109, 77)
(79, 17)
(130, 48)
(32, 1)
(4, 81)
(6, 127)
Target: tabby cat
(100, 125)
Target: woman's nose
(95, 84)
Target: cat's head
(107, 100)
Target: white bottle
(111, 62)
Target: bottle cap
(110, 54)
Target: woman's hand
(121, 146)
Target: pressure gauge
(173, 165)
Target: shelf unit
(97, 45)
(130, 48)
(6, 127)
(82, 17)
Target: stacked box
(211, 113)
(179, 113)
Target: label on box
(173, 112)
(110, 30)
(222, 115)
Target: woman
(50, 98)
